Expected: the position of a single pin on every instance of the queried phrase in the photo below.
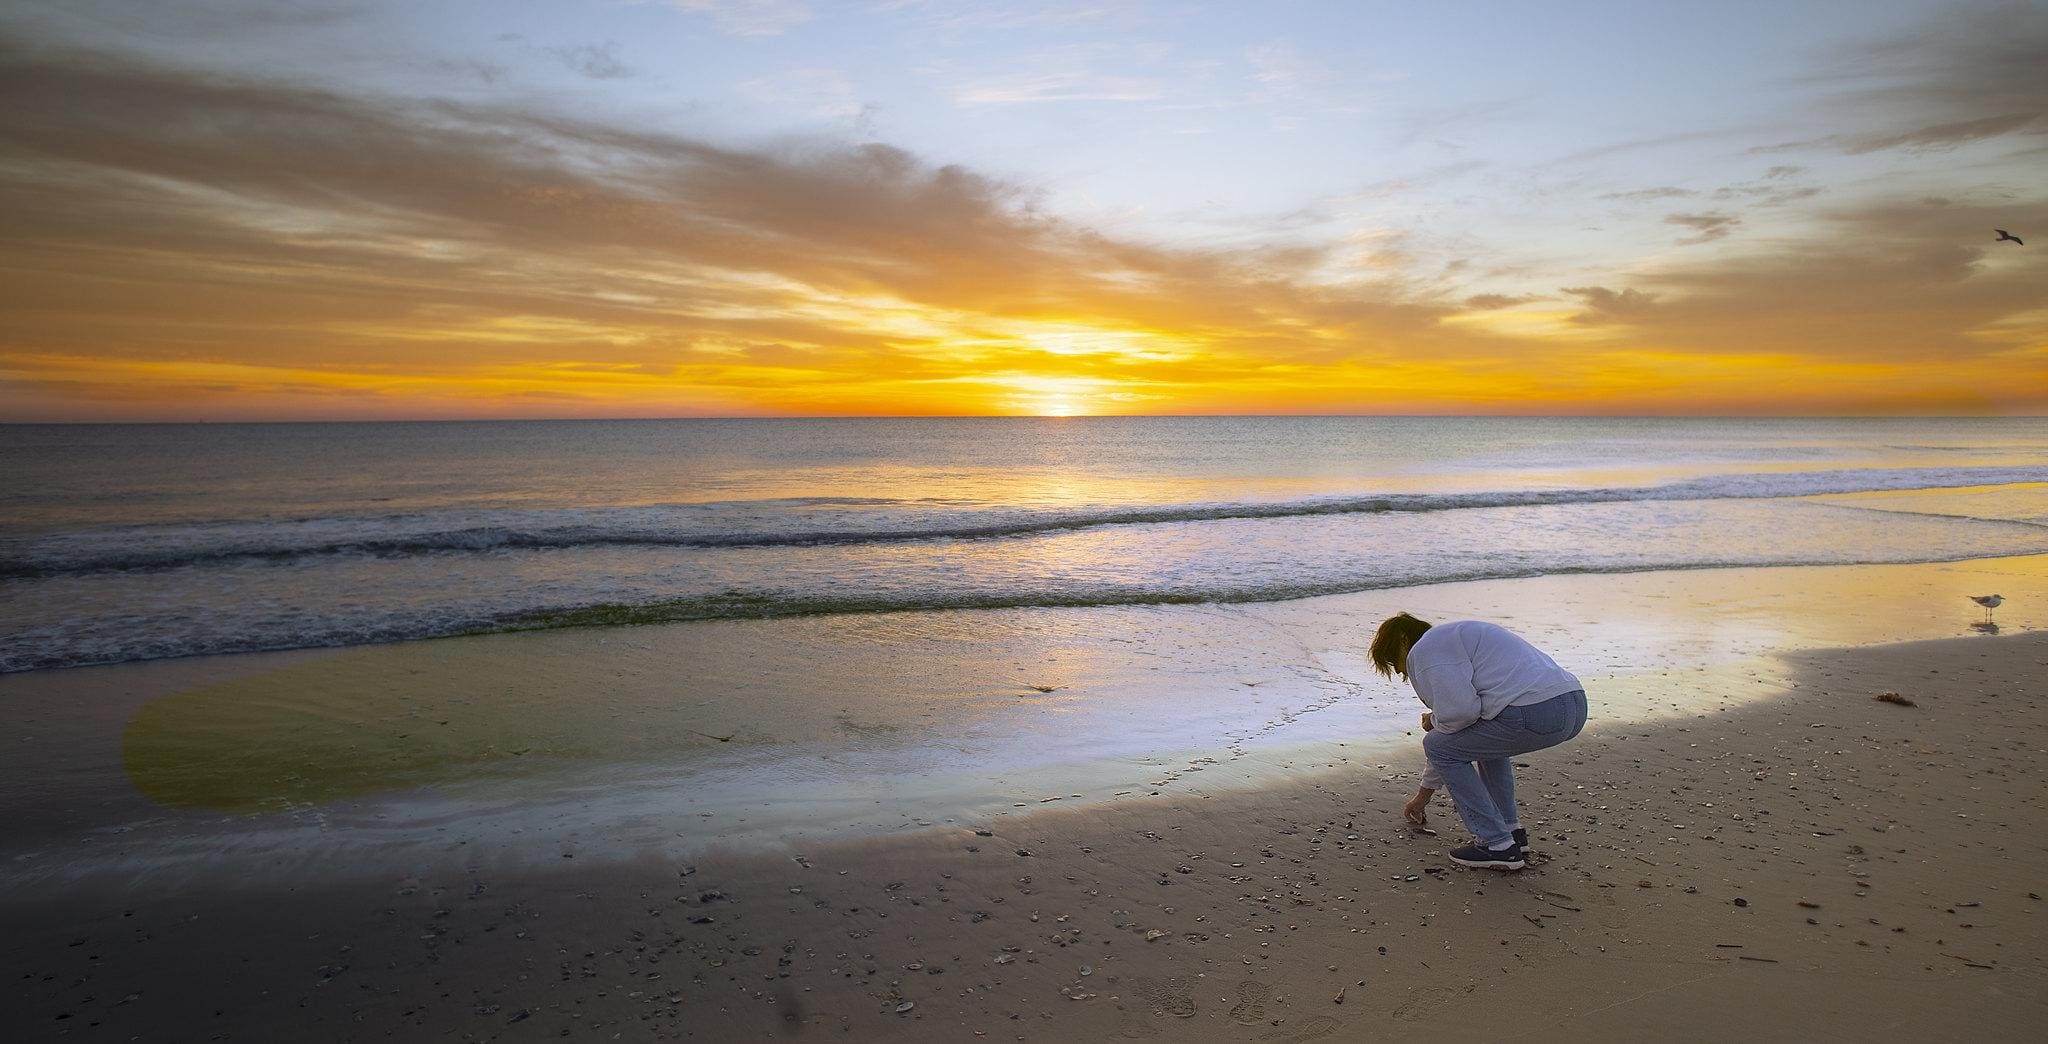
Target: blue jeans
(1477, 761)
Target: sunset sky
(235, 210)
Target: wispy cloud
(596, 61)
(1649, 194)
(1062, 86)
(179, 236)
(1974, 73)
(1279, 70)
(751, 17)
(1707, 226)
(1493, 302)
(1605, 304)
(818, 93)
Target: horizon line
(1039, 416)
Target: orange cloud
(195, 246)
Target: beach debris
(1339, 998)
(1893, 697)
(1154, 935)
(1645, 883)
(1759, 960)
(1739, 901)
(1807, 905)
(1023, 851)
(1005, 958)
(905, 1006)
(1087, 969)
(984, 833)
(1044, 688)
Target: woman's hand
(1417, 809)
(1428, 720)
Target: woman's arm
(1447, 688)
(1417, 809)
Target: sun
(1035, 395)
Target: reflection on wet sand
(1004, 699)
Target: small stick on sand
(1893, 697)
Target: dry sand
(1816, 866)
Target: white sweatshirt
(1472, 670)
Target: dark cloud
(1944, 135)
(1491, 302)
(1645, 195)
(1934, 138)
(1910, 283)
(1707, 226)
(152, 213)
(1773, 189)
(596, 61)
(158, 212)
(1975, 72)
(1969, 61)
(1606, 305)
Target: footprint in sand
(1137, 1025)
(1251, 1007)
(1308, 1029)
(1418, 1003)
(1174, 997)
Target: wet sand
(1886, 859)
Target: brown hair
(1393, 639)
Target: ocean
(132, 542)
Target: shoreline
(669, 739)
(1242, 915)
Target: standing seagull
(2003, 235)
(1989, 602)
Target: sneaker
(1509, 858)
(1521, 839)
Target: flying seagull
(1989, 602)
(2003, 235)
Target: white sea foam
(122, 544)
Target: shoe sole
(1491, 864)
